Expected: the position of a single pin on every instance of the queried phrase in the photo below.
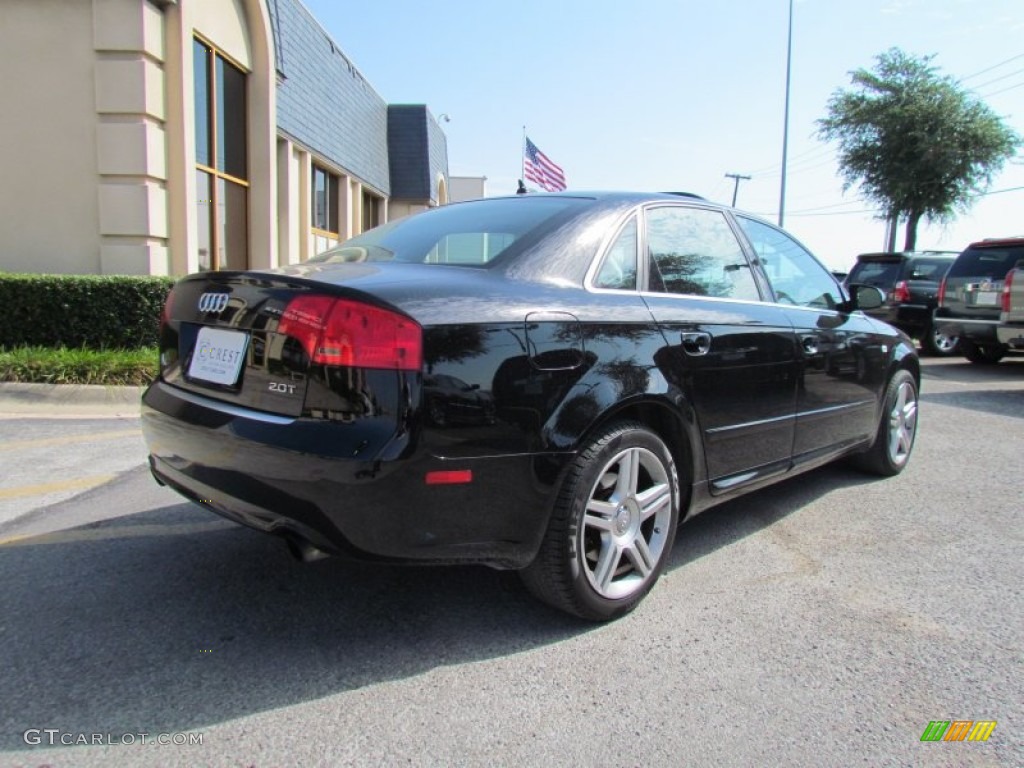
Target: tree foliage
(917, 143)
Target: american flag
(540, 170)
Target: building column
(289, 204)
(356, 209)
(344, 207)
(305, 207)
(131, 146)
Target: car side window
(796, 277)
(619, 267)
(694, 251)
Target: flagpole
(522, 159)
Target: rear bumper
(978, 331)
(1011, 334)
(283, 476)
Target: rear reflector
(450, 477)
(344, 332)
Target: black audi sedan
(633, 358)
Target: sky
(675, 94)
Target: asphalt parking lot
(824, 621)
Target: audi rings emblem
(213, 302)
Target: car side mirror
(862, 296)
(868, 296)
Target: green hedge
(88, 311)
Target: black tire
(982, 354)
(939, 344)
(897, 428)
(600, 565)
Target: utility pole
(736, 186)
(785, 122)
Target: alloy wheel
(943, 344)
(902, 423)
(626, 523)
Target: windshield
(465, 234)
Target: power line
(821, 212)
(858, 201)
(875, 211)
(994, 66)
(997, 79)
(818, 194)
(721, 189)
(1002, 90)
(798, 158)
(800, 169)
(998, 191)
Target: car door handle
(810, 344)
(696, 343)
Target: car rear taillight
(901, 292)
(1007, 284)
(942, 292)
(344, 332)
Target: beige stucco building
(163, 137)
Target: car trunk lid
(288, 345)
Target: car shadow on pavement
(1011, 369)
(750, 514)
(999, 402)
(171, 620)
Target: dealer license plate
(218, 356)
(987, 298)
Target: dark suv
(910, 281)
(970, 299)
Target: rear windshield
(465, 234)
(992, 263)
(876, 273)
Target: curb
(69, 400)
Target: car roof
(607, 198)
(896, 255)
(998, 242)
(616, 195)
